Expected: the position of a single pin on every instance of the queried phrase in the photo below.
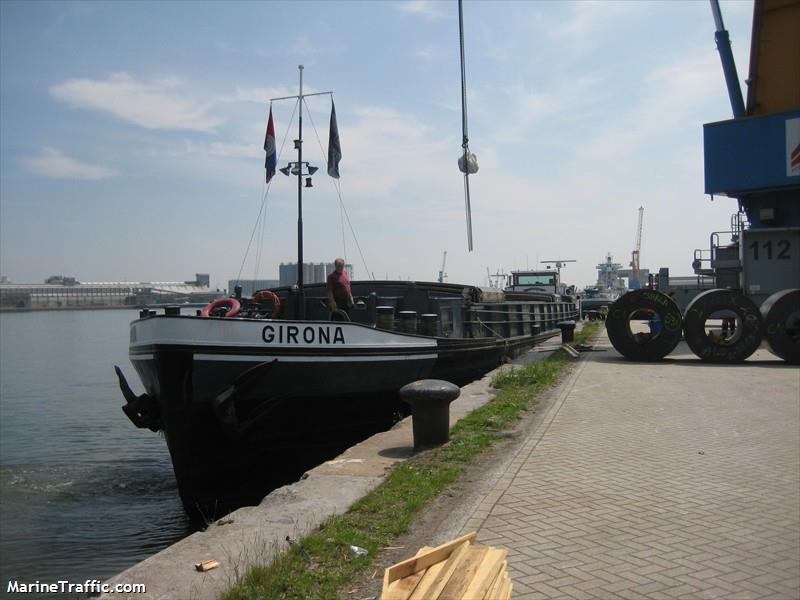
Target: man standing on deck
(339, 294)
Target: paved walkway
(668, 480)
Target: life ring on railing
(269, 294)
(232, 304)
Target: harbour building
(312, 272)
(59, 292)
(252, 285)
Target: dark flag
(334, 147)
(269, 148)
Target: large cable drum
(644, 325)
(723, 326)
(781, 314)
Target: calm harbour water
(83, 493)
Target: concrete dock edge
(254, 535)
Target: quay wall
(256, 534)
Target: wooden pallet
(457, 570)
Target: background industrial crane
(755, 266)
(442, 274)
(637, 247)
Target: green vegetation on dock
(322, 563)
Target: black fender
(643, 346)
(735, 349)
(781, 314)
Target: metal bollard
(408, 321)
(430, 408)
(385, 317)
(429, 324)
(567, 331)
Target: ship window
(535, 280)
(446, 316)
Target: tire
(736, 349)
(781, 314)
(644, 347)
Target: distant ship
(608, 288)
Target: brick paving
(668, 480)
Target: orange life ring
(232, 304)
(276, 302)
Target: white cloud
(225, 149)
(262, 95)
(429, 53)
(54, 165)
(385, 151)
(530, 107)
(224, 47)
(302, 46)
(389, 122)
(423, 8)
(669, 104)
(587, 20)
(155, 104)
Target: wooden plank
(401, 589)
(417, 563)
(459, 582)
(422, 591)
(392, 591)
(505, 591)
(439, 574)
(386, 582)
(499, 589)
(206, 565)
(494, 589)
(486, 574)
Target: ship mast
(302, 170)
(299, 146)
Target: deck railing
(517, 319)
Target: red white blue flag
(269, 148)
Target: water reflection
(83, 493)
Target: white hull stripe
(260, 358)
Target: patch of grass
(322, 563)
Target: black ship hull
(249, 404)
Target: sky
(131, 136)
